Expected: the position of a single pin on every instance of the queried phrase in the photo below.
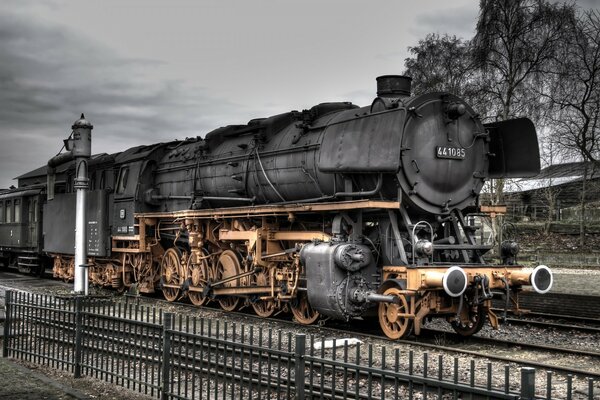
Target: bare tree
(440, 63)
(446, 63)
(549, 192)
(575, 96)
(515, 41)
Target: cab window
(122, 181)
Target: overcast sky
(149, 71)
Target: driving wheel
(228, 265)
(170, 270)
(263, 308)
(302, 310)
(391, 319)
(198, 275)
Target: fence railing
(171, 356)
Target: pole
(166, 358)
(81, 186)
(81, 147)
(527, 383)
(299, 365)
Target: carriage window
(60, 187)
(35, 210)
(8, 212)
(122, 182)
(17, 210)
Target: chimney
(393, 86)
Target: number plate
(454, 153)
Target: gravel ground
(90, 388)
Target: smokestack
(393, 86)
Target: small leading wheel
(198, 274)
(229, 265)
(263, 308)
(476, 320)
(302, 310)
(170, 270)
(393, 324)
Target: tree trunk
(582, 215)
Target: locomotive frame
(287, 213)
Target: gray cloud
(459, 21)
(49, 75)
(585, 4)
(145, 72)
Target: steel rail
(455, 350)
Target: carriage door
(32, 218)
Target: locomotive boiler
(337, 211)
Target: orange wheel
(303, 311)
(392, 323)
(170, 269)
(198, 274)
(228, 266)
(263, 308)
(475, 319)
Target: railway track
(573, 320)
(429, 341)
(555, 325)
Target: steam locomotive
(337, 211)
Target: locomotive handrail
(336, 195)
(414, 244)
(363, 193)
(176, 197)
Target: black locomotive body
(337, 210)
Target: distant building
(556, 190)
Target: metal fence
(181, 357)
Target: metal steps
(28, 264)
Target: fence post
(166, 356)
(299, 362)
(527, 383)
(78, 336)
(7, 322)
